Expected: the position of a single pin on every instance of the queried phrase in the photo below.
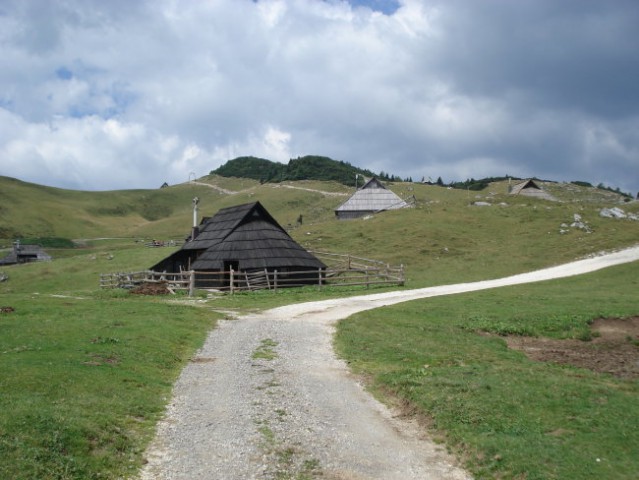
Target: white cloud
(270, 143)
(90, 153)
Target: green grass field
(86, 373)
(84, 380)
(504, 415)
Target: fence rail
(346, 270)
(347, 262)
(176, 281)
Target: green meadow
(87, 373)
(506, 416)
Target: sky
(119, 94)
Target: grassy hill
(444, 238)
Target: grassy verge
(85, 374)
(509, 417)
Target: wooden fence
(342, 270)
(340, 261)
(174, 281)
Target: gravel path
(323, 192)
(266, 398)
(235, 192)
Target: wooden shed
(246, 239)
(373, 197)
(25, 253)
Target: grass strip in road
(505, 415)
(266, 350)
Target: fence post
(401, 274)
(319, 277)
(367, 281)
(232, 280)
(191, 283)
(275, 279)
(268, 281)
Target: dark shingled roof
(249, 235)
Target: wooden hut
(530, 188)
(247, 240)
(24, 253)
(373, 197)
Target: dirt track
(266, 398)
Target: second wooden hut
(372, 198)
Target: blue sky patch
(385, 6)
(63, 73)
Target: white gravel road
(266, 398)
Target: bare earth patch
(160, 288)
(614, 348)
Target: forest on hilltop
(309, 167)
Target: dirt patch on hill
(614, 348)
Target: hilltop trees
(251, 167)
(310, 167)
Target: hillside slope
(29, 210)
(443, 239)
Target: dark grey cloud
(576, 55)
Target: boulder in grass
(617, 212)
(614, 212)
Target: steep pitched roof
(526, 184)
(215, 229)
(372, 197)
(531, 189)
(246, 234)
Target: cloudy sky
(101, 95)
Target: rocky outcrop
(617, 212)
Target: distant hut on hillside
(529, 188)
(25, 254)
(373, 197)
(245, 239)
